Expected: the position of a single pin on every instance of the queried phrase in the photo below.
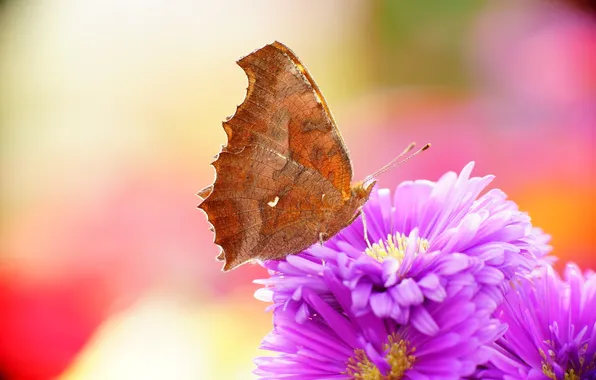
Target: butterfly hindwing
(263, 208)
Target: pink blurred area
(530, 120)
(107, 268)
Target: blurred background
(111, 111)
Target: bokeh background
(111, 110)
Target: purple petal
(490, 276)
(381, 304)
(423, 321)
(407, 293)
(361, 295)
(431, 287)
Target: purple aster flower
(417, 302)
(430, 234)
(335, 343)
(552, 328)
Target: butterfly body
(283, 181)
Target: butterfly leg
(365, 230)
(322, 237)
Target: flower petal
(423, 321)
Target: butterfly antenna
(396, 161)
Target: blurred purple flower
(431, 235)
(552, 328)
(334, 343)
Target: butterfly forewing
(285, 112)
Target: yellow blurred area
(99, 87)
(164, 337)
(111, 111)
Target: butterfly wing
(263, 206)
(285, 111)
(284, 152)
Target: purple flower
(428, 236)
(552, 328)
(334, 343)
(417, 302)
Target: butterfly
(284, 179)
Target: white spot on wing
(273, 203)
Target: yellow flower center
(570, 373)
(395, 246)
(361, 368)
(397, 354)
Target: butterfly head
(361, 192)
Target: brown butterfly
(283, 181)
